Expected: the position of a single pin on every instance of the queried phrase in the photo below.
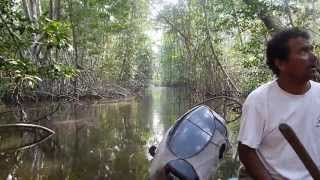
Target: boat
(192, 148)
(22, 136)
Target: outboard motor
(192, 148)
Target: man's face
(301, 61)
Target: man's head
(289, 53)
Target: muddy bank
(110, 93)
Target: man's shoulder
(315, 87)
(315, 84)
(261, 91)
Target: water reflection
(167, 105)
(98, 141)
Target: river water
(102, 140)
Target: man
(291, 98)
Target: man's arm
(248, 156)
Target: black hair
(277, 47)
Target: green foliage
(21, 74)
(239, 32)
(112, 34)
(24, 75)
(15, 30)
(105, 38)
(55, 33)
(19, 70)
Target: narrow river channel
(103, 140)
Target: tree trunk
(75, 33)
(32, 9)
(57, 8)
(26, 9)
(54, 9)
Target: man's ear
(279, 64)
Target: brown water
(101, 141)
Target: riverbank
(41, 111)
(107, 94)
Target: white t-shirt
(268, 106)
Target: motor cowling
(192, 148)
(181, 169)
